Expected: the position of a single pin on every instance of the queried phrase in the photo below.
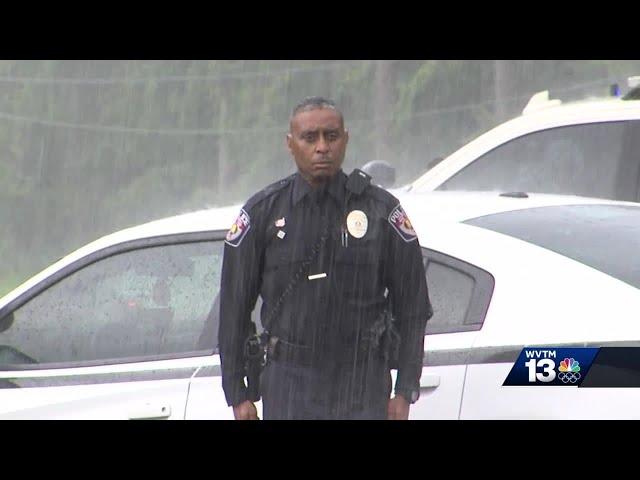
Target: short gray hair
(314, 103)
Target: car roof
(601, 236)
(540, 295)
(217, 218)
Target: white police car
(124, 327)
(587, 148)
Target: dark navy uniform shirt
(368, 254)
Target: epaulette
(383, 196)
(268, 191)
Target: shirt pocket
(356, 273)
(281, 262)
(283, 256)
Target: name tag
(319, 275)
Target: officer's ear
(289, 140)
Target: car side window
(585, 160)
(152, 302)
(459, 292)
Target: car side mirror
(382, 173)
(434, 162)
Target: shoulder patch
(400, 222)
(239, 229)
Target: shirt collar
(335, 187)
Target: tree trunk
(224, 166)
(503, 89)
(382, 109)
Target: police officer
(328, 253)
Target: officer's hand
(245, 411)
(398, 408)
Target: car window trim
(40, 380)
(107, 361)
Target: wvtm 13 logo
(541, 366)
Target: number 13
(548, 373)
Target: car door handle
(150, 412)
(429, 381)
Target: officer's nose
(322, 146)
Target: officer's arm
(240, 284)
(407, 284)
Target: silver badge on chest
(357, 223)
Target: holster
(255, 357)
(384, 338)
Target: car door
(117, 334)
(206, 397)
(460, 294)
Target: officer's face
(318, 141)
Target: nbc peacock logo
(569, 370)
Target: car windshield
(594, 160)
(601, 236)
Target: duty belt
(280, 350)
(302, 355)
